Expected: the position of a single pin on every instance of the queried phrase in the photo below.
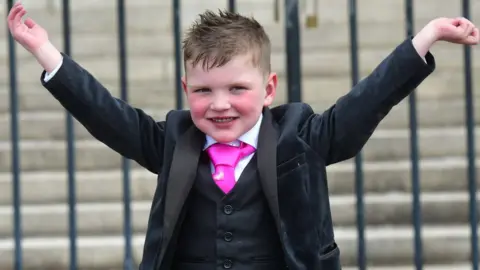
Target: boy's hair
(214, 39)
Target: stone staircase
(326, 76)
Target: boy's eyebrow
(234, 83)
(196, 86)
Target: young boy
(240, 185)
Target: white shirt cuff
(50, 75)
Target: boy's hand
(33, 38)
(29, 34)
(458, 30)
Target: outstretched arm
(127, 130)
(342, 131)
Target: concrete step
(141, 14)
(386, 246)
(384, 145)
(315, 63)
(427, 6)
(107, 218)
(159, 92)
(42, 118)
(328, 36)
(50, 187)
(443, 174)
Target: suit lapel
(182, 176)
(267, 163)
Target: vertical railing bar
(293, 53)
(361, 247)
(232, 7)
(276, 10)
(470, 123)
(122, 49)
(70, 149)
(178, 53)
(17, 220)
(414, 155)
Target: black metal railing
(294, 94)
(470, 123)
(70, 133)
(15, 137)
(414, 156)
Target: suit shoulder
(178, 121)
(297, 112)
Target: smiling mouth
(222, 119)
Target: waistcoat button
(228, 209)
(227, 264)
(228, 236)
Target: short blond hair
(215, 38)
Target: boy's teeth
(222, 119)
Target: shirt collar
(250, 137)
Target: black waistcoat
(234, 231)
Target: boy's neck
(250, 137)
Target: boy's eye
(238, 88)
(202, 90)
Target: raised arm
(126, 130)
(342, 130)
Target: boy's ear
(184, 84)
(270, 89)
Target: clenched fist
(457, 30)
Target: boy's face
(225, 102)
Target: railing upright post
(70, 132)
(232, 6)
(414, 154)
(123, 76)
(15, 137)
(293, 53)
(359, 177)
(470, 125)
(177, 30)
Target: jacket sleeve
(340, 132)
(125, 129)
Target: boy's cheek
(198, 107)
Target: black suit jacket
(295, 146)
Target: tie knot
(224, 154)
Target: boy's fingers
(20, 16)
(17, 19)
(462, 23)
(13, 13)
(468, 29)
(474, 32)
(12, 19)
(472, 38)
(456, 21)
(475, 36)
(30, 23)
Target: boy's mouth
(222, 119)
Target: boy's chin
(224, 137)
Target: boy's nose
(220, 104)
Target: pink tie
(225, 158)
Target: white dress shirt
(250, 137)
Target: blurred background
(407, 202)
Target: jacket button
(228, 209)
(227, 264)
(228, 236)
